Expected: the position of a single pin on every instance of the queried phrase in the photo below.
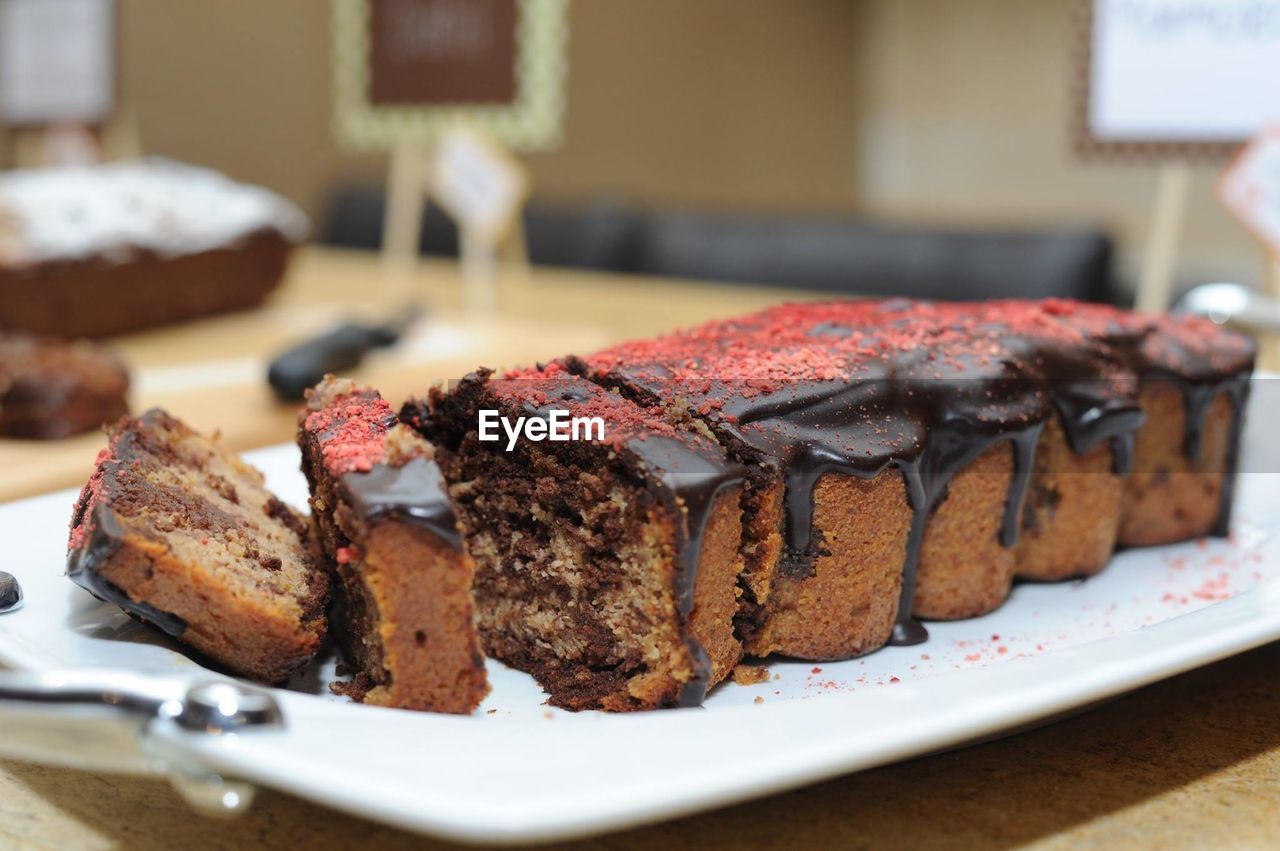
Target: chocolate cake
(91, 251)
(890, 462)
(51, 389)
(182, 534)
(909, 459)
(403, 610)
(813, 480)
(606, 568)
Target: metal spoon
(10, 593)
(119, 721)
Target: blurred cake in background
(91, 251)
(50, 389)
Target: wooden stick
(1155, 286)
(406, 190)
(514, 250)
(1269, 346)
(479, 272)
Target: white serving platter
(518, 771)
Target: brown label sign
(442, 51)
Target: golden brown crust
(180, 532)
(716, 590)
(1071, 520)
(420, 590)
(253, 637)
(964, 569)
(1071, 513)
(847, 605)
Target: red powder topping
(351, 430)
(553, 387)
(872, 338)
(90, 495)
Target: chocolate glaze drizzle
(414, 492)
(901, 405)
(692, 480)
(820, 429)
(1199, 396)
(346, 431)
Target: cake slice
(403, 611)
(51, 389)
(182, 534)
(607, 566)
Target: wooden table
(212, 373)
(1192, 762)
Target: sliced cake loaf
(182, 534)
(812, 480)
(909, 459)
(403, 612)
(606, 567)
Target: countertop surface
(1192, 762)
(212, 373)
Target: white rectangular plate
(518, 771)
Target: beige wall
(918, 109)
(670, 101)
(965, 115)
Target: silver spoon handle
(98, 719)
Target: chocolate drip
(927, 477)
(1199, 398)
(1122, 453)
(693, 692)
(907, 631)
(1024, 458)
(694, 482)
(1094, 411)
(1238, 390)
(691, 483)
(414, 492)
